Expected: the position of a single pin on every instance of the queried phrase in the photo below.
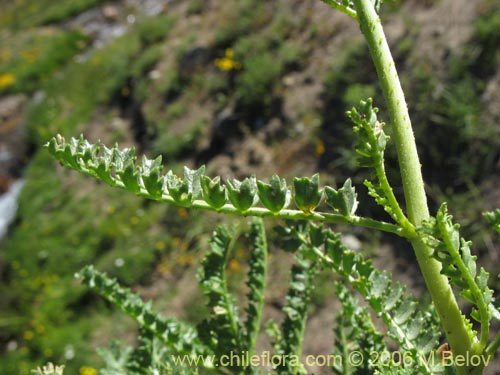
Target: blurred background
(244, 87)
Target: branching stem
(286, 214)
(289, 214)
(413, 186)
(399, 215)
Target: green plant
(26, 14)
(444, 257)
(34, 57)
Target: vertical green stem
(413, 184)
(416, 201)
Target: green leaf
(256, 283)
(493, 219)
(460, 267)
(371, 143)
(130, 177)
(307, 193)
(393, 297)
(192, 177)
(179, 189)
(180, 337)
(242, 194)
(296, 311)
(404, 311)
(388, 300)
(273, 195)
(102, 166)
(273, 331)
(316, 234)
(222, 331)
(343, 200)
(288, 240)
(355, 331)
(371, 138)
(214, 193)
(150, 172)
(118, 168)
(115, 357)
(379, 283)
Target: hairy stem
(289, 214)
(413, 186)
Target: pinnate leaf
(459, 265)
(177, 335)
(415, 332)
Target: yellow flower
(320, 148)
(88, 371)
(227, 63)
(7, 80)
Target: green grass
(30, 58)
(250, 15)
(43, 308)
(254, 87)
(72, 96)
(22, 14)
(452, 110)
